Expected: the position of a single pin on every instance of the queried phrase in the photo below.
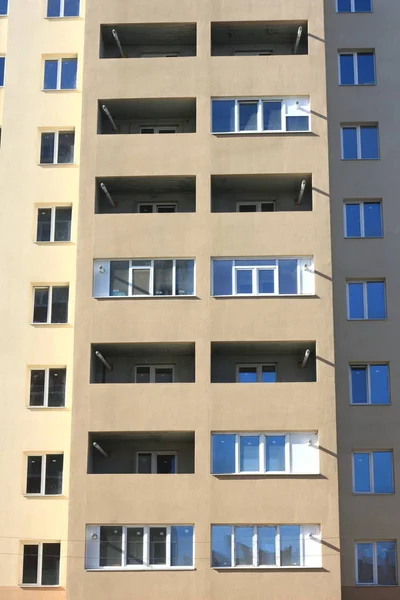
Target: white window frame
(40, 564)
(358, 139)
(374, 561)
(313, 441)
(59, 73)
(285, 104)
(354, 54)
(154, 455)
(159, 54)
(353, 8)
(62, 10)
(153, 369)
(156, 205)
(49, 304)
(258, 204)
(367, 367)
(42, 475)
(46, 387)
(94, 530)
(52, 223)
(371, 472)
(258, 366)
(361, 204)
(158, 128)
(56, 134)
(316, 535)
(365, 298)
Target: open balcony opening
(263, 362)
(158, 363)
(148, 40)
(145, 453)
(259, 38)
(145, 195)
(261, 193)
(147, 116)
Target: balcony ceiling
(151, 34)
(150, 185)
(259, 183)
(255, 32)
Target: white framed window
(369, 384)
(63, 8)
(373, 472)
(351, 6)
(44, 474)
(50, 304)
(257, 373)
(159, 54)
(3, 8)
(263, 546)
(163, 462)
(57, 147)
(47, 387)
(262, 276)
(149, 129)
(376, 562)
(363, 219)
(360, 142)
(356, 68)
(260, 115)
(154, 374)
(366, 300)
(139, 547)
(267, 206)
(264, 453)
(41, 564)
(152, 207)
(54, 224)
(60, 73)
(144, 277)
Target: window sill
(141, 569)
(261, 133)
(359, 159)
(58, 165)
(272, 474)
(46, 408)
(60, 18)
(52, 91)
(58, 243)
(357, 85)
(146, 298)
(40, 586)
(45, 496)
(363, 320)
(358, 494)
(250, 296)
(370, 404)
(359, 237)
(268, 568)
(57, 325)
(377, 585)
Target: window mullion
(368, 376)
(365, 298)
(254, 280)
(234, 290)
(233, 546)
(46, 387)
(49, 305)
(262, 454)
(358, 135)
(130, 279)
(278, 546)
(174, 277)
(276, 279)
(254, 547)
(283, 116)
(362, 225)
(168, 547)
(62, 8)
(52, 223)
(124, 540)
(146, 543)
(371, 472)
(40, 564)
(152, 278)
(43, 475)
(302, 546)
(288, 457)
(375, 562)
(59, 73)
(153, 462)
(236, 116)
(260, 124)
(237, 464)
(355, 67)
(55, 153)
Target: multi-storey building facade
(170, 397)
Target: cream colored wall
(26, 35)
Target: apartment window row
(357, 68)
(351, 6)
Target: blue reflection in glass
(3, 7)
(383, 472)
(222, 277)
(349, 143)
(297, 124)
(275, 452)
(53, 8)
(181, 546)
(71, 8)
(272, 116)
(244, 281)
(344, 5)
(353, 220)
(266, 281)
(247, 375)
(369, 142)
(223, 116)
(287, 276)
(250, 453)
(251, 262)
(358, 385)
(50, 74)
(266, 545)
(243, 545)
(223, 452)
(346, 65)
(365, 563)
(363, 5)
(290, 545)
(361, 469)
(387, 563)
(2, 69)
(221, 539)
(68, 73)
(355, 293)
(268, 374)
(376, 300)
(373, 219)
(366, 68)
(379, 382)
(248, 116)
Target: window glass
(44, 225)
(287, 273)
(166, 208)
(266, 545)
(144, 463)
(50, 74)
(59, 305)
(166, 464)
(222, 277)
(163, 277)
(297, 124)
(110, 546)
(290, 545)
(181, 546)
(353, 220)
(34, 475)
(2, 70)
(248, 116)
(247, 208)
(247, 375)
(62, 225)
(356, 300)
(363, 5)
(68, 73)
(275, 453)
(223, 116)
(223, 453)
(158, 546)
(36, 397)
(119, 277)
(30, 564)
(266, 281)
(376, 300)
(53, 8)
(244, 281)
(71, 8)
(272, 116)
(146, 208)
(365, 563)
(249, 453)
(255, 262)
(346, 62)
(3, 7)
(383, 472)
(361, 467)
(41, 303)
(142, 374)
(379, 384)
(387, 563)
(51, 564)
(54, 474)
(221, 536)
(369, 142)
(267, 207)
(372, 219)
(140, 282)
(66, 141)
(349, 142)
(164, 375)
(47, 148)
(359, 385)
(344, 5)
(243, 546)
(366, 68)
(134, 545)
(184, 283)
(268, 374)
(57, 379)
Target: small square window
(366, 300)
(357, 68)
(363, 219)
(360, 142)
(60, 74)
(57, 147)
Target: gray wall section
(129, 203)
(124, 366)
(134, 51)
(131, 126)
(226, 202)
(365, 427)
(223, 368)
